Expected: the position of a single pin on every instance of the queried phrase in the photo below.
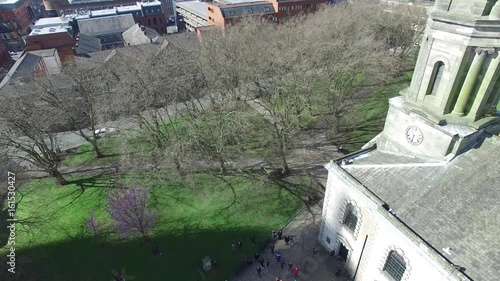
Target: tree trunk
(284, 163)
(178, 166)
(97, 151)
(222, 164)
(58, 176)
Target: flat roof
(196, 7)
(106, 12)
(128, 8)
(48, 30)
(231, 2)
(149, 4)
(9, 1)
(52, 22)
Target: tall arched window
(351, 216)
(437, 74)
(395, 265)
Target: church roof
(452, 204)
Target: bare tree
(275, 67)
(401, 27)
(156, 90)
(27, 135)
(79, 100)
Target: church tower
(455, 89)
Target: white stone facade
(383, 233)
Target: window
(230, 13)
(249, 11)
(210, 9)
(351, 217)
(149, 22)
(267, 9)
(5, 36)
(155, 21)
(395, 266)
(437, 74)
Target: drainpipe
(362, 251)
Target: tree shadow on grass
(83, 260)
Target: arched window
(351, 216)
(437, 74)
(395, 265)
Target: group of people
(264, 264)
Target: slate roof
(87, 44)
(454, 204)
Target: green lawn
(198, 216)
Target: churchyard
(224, 170)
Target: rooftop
(106, 12)
(52, 22)
(128, 8)
(195, 7)
(9, 1)
(231, 2)
(106, 25)
(149, 4)
(249, 8)
(449, 204)
(48, 30)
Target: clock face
(414, 135)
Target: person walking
(257, 256)
(278, 256)
(282, 263)
(261, 261)
(280, 234)
(290, 266)
(272, 248)
(259, 270)
(295, 273)
(252, 239)
(267, 264)
(273, 235)
(287, 239)
(315, 252)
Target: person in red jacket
(296, 272)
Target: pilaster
(470, 81)
(486, 88)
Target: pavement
(319, 267)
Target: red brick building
(5, 59)
(55, 8)
(16, 17)
(195, 14)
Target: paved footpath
(311, 268)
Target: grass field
(198, 216)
